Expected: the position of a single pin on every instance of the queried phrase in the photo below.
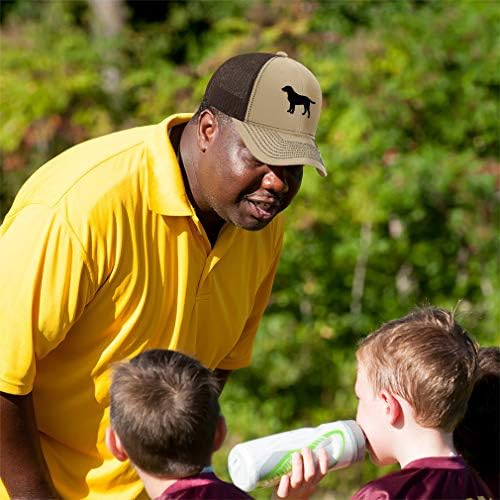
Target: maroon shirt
(436, 477)
(205, 485)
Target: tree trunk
(108, 20)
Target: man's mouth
(263, 209)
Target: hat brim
(280, 148)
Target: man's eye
(296, 172)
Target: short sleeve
(45, 284)
(371, 492)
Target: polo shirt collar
(166, 191)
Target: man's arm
(23, 469)
(222, 376)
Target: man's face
(240, 189)
(371, 417)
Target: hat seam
(301, 124)
(310, 154)
(278, 129)
(264, 143)
(255, 84)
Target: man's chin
(253, 226)
(249, 223)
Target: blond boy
(415, 376)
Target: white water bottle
(262, 462)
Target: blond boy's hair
(426, 358)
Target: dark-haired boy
(165, 418)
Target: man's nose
(275, 180)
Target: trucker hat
(274, 102)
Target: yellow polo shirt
(101, 257)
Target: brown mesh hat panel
(230, 87)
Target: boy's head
(477, 436)
(421, 366)
(164, 414)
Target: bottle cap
(358, 441)
(242, 469)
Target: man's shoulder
(89, 158)
(86, 172)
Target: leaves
(407, 215)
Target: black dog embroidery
(297, 100)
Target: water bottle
(261, 462)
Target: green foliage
(408, 214)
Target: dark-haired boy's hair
(428, 359)
(164, 408)
(477, 436)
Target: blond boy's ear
(220, 433)
(393, 409)
(115, 445)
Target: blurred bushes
(408, 214)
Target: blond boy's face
(371, 417)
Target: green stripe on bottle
(284, 466)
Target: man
(160, 236)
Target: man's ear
(220, 432)
(114, 445)
(207, 129)
(393, 409)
